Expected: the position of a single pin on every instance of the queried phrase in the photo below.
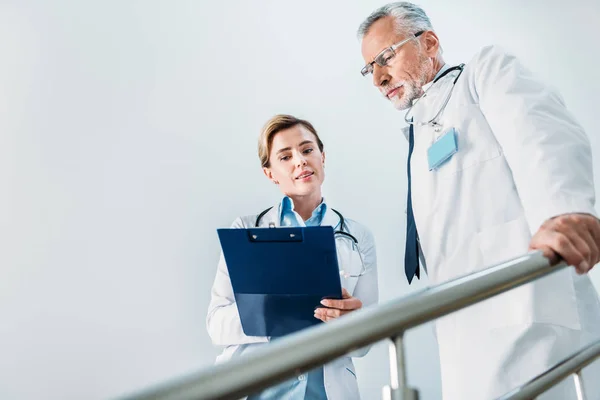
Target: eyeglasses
(387, 54)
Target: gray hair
(409, 18)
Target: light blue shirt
(288, 217)
(309, 386)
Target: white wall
(128, 135)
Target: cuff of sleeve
(559, 207)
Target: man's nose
(380, 76)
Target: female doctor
(292, 157)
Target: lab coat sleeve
(367, 287)
(223, 320)
(547, 151)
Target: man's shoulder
(490, 53)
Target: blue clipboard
(280, 275)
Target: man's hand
(573, 237)
(337, 308)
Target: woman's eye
(284, 158)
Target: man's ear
(323, 158)
(269, 174)
(432, 44)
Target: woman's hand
(337, 308)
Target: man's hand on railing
(337, 308)
(573, 237)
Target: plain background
(128, 135)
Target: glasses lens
(367, 69)
(385, 57)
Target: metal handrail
(294, 354)
(572, 365)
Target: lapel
(331, 219)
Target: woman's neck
(305, 205)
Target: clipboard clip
(276, 235)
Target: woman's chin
(306, 189)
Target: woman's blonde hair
(277, 124)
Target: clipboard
(280, 275)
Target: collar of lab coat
(441, 71)
(406, 129)
(331, 219)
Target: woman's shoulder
(250, 220)
(355, 227)
(244, 221)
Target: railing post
(398, 389)
(579, 386)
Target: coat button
(302, 377)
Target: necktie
(411, 255)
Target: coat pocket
(475, 140)
(547, 300)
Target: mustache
(387, 88)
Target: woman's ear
(269, 174)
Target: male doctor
(497, 166)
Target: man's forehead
(383, 33)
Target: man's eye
(308, 151)
(386, 58)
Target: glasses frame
(368, 69)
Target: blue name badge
(442, 149)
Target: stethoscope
(434, 121)
(342, 233)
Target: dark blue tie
(411, 255)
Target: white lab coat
(522, 159)
(223, 321)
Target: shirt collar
(287, 205)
